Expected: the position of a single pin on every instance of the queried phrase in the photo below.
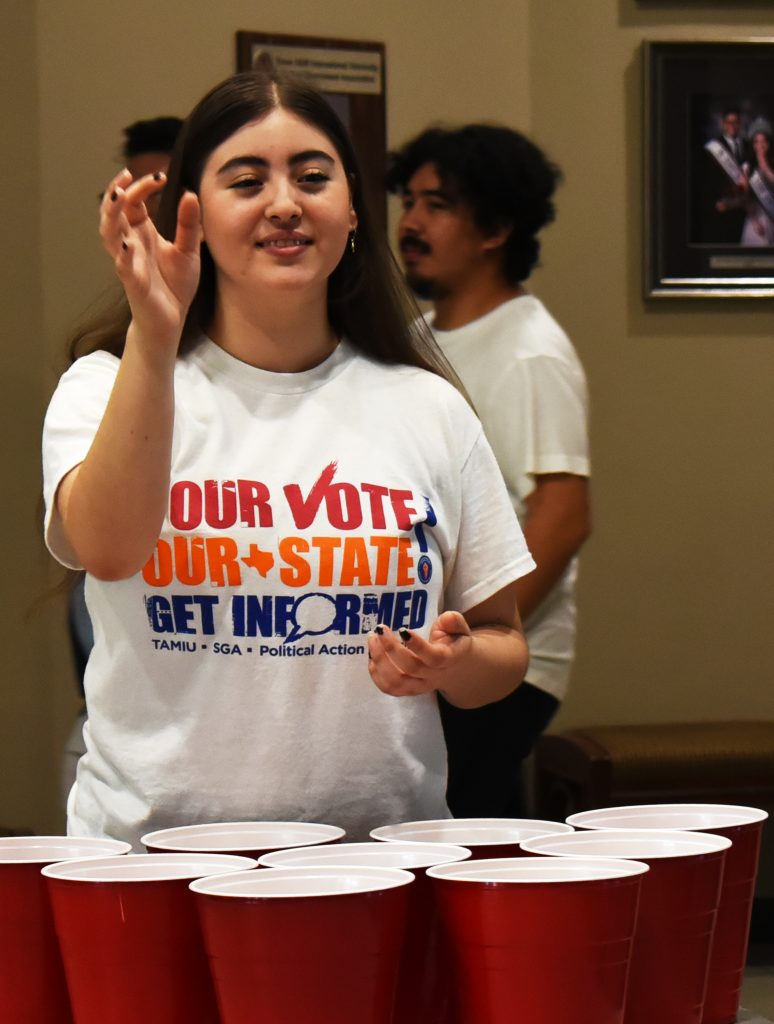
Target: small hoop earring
(352, 242)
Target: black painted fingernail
(157, 175)
(113, 196)
(404, 635)
(379, 630)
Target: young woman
(758, 227)
(293, 530)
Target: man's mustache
(411, 244)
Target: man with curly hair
(474, 199)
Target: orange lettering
(354, 565)
(222, 557)
(326, 547)
(157, 571)
(190, 569)
(405, 563)
(384, 548)
(299, 573)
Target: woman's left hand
(472, 659)
(403, 664)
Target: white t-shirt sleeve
(559, 407)
(544, 426)
(74, 414)
(491, 550)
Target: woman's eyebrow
(243, 161)
(262, 163)
(310, 154)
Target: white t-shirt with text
(229, 678)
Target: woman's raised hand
(159, 277)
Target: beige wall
(675, 585)
(30, 704)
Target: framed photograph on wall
(709, 169)
(351, 75)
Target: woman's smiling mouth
(285, 242)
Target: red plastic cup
(422, 994)
(743, 826)
(316, 945)
(242, 838)
(676, 922)
(539, 939)
(32, 982)
(484, 837)
(130, 938)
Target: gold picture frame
(709, 197)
